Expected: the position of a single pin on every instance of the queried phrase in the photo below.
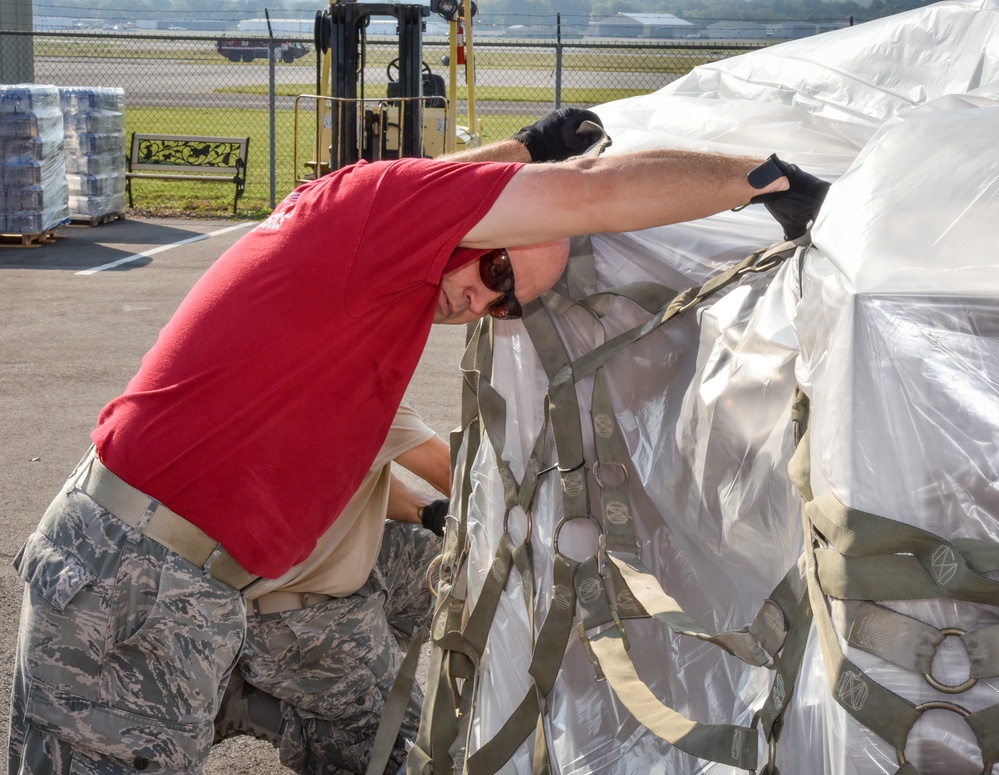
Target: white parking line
(161, 248)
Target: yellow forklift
(415, 115)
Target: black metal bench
(187, 157)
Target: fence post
(558, 61)
(272, 93)
(17, 53)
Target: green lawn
(200, 199)
(191, 198)
(570, 96)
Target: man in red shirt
(213, 468)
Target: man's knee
(315, 746)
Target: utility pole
(17, 58)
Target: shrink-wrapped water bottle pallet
(96, 220)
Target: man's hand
(795, 208)
(561, 134)
(432, 516)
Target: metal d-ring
(769, 767)
(530, 525)
(434, 564)
(953, 708)
(564, 521)
(950, 688)
(610, 466)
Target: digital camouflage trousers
(122, 649)
(332, 664)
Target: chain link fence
(197, 84)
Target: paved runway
(208, 81)
(76, 317)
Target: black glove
(795, 208)
(433, 515)
(559, 135)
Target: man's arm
(626, 192)
(508, 150)
(556, 136)
(405, 503)
(431, 461)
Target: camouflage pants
(122, 651)
(332, 664)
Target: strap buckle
(599, 674)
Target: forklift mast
(342, 27)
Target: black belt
(164, 526)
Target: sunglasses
(496, 272)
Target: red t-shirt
(267, 396)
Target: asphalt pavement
(76, 316)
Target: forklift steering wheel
(394, 65)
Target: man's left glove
(561, 134)
(795, 208)
(433, 515)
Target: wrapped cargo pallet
(94, 121)
(750, 526)
(33, 191)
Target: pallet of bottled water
(34, 197)
(94, 127)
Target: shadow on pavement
(80, 247)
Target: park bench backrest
(179, 153)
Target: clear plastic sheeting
(94, 122)
(33, 191)
(890, 325)
(901, 360)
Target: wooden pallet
(98, 220)
(28, 240)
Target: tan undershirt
(346, 553)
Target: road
(195, 83)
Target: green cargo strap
(885, 713)
(786, 669)
(618, 545)
(394, 712)
(761, 261)
(912, 644)
(724, 743)
(450, 660)
(939, 567)
(561, 407)
(547, 658)
(607, 649)
(660, 606)
(459, 636)
(529, 714)
(418, 762)
(564, 406)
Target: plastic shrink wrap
(33, 192)
(94, 120)
(890, 325)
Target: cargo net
(551, 613)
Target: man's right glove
(561, 134)
(432, 516)
(795, 208)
